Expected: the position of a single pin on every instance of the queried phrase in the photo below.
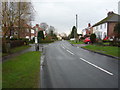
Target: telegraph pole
(76, 21)
(76, 26)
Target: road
(66, 66)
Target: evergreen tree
(93, 38)
(73, 32)
(40, 36)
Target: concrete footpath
(32, 48)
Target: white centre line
(64, 47)
(70, 52)
(97, 67)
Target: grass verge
(73, 42)
(109, 50)
(16, 49)
(22, 71)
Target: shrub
(115, 43)
(85, 36)
(16, 43)
(93, 38)
(46, 41)
(105, 40)
(5, 47)
(31, 41)
(82, 38)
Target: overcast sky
(61, 13)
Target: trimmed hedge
(13, 42)
(16, 43)
(46, 41)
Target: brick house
(37, 29)
(88, 30)
(105, 27)
(24, 31)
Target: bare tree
(44, 25)
(14, 15)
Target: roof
(111, 18)
(40, 29)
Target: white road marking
(70, 52)
(77, 47)
(97, 67)
(63, 47)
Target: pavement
(66, 66)
(32, 48)
(80, 45)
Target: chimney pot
(110, 13)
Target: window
(27, 30)
(105, 25)
(96, 27)
(101, 26)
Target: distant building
(88, 30)
(59, 37)
(105, 27)
(37, 29)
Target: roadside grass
(109, 50)
(22, 71)
(73, 42)
(106, 43)
(16, 49)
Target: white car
(72, 39)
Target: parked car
(87, 40)
(106, 38)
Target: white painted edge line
(70, 52)
(97, 67)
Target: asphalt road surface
(66, 66)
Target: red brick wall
(111, 29)
(91, 30)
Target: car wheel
(88, 42)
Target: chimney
(89, 25)
(37, 25)
(110, 13)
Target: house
(59, 37)
(105, 27)
(15, 31)
(88, 30)
(37, 29)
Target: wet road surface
(66, 66)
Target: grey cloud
(61, 14)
